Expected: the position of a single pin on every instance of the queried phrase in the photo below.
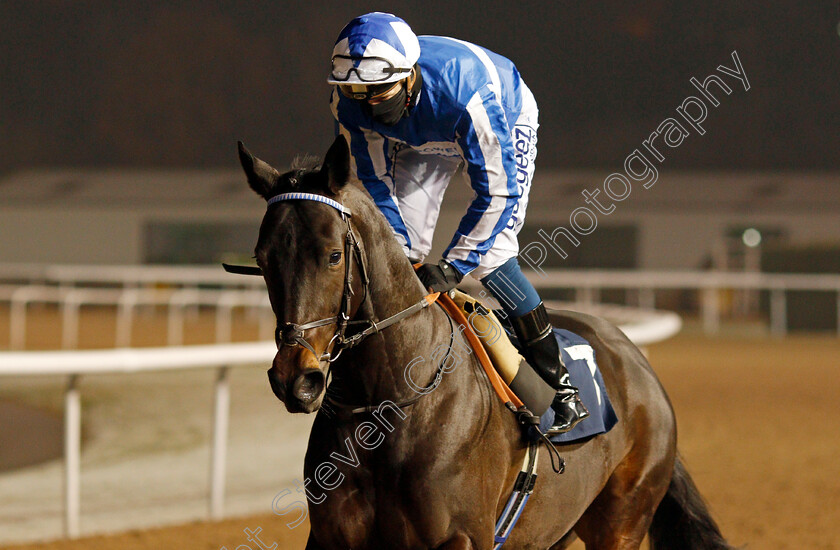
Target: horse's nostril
(277, 385)
(308, 387)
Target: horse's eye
(335, 257)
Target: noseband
(292, 334)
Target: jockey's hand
(440, 277)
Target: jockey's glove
(440, 277)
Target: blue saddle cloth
(579, 358)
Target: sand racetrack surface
(759, 429)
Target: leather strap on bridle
(352, 410)
(292, 334)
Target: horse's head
(312, 267)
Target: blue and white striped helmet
(374, 48)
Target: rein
(292, 334)
(354, 409)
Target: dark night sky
(177, 83)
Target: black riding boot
(540, 349)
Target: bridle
(293, 334)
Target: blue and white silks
(473, 109)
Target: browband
(254, 270)
(309, 197)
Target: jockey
(414, 109)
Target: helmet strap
(413, 85)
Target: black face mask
(390, 111)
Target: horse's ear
(261, 176)
(336, 167)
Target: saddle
(494, 346)
(501, 352)
(464, 310)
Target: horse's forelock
(306, 162)
(303, 176)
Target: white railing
(125, 275)
(641, 326)
(74, 364)
(127, 300)
(587, 284)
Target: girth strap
(522, 489)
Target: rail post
(125, 316)
(17, 322)
(178, 301)
(587, 295)
(711, 310)
(218, 456)
(646, 298)
(70, 319)
(224, 316)
(72, 455)
(778, 312)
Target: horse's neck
(393, 284)
(379, 369)
(393, 287)
(393, 365)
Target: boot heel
(569, 411)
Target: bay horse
(391, 467)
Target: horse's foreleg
(459, 542)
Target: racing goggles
(367, 69)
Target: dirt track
(759, 429)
